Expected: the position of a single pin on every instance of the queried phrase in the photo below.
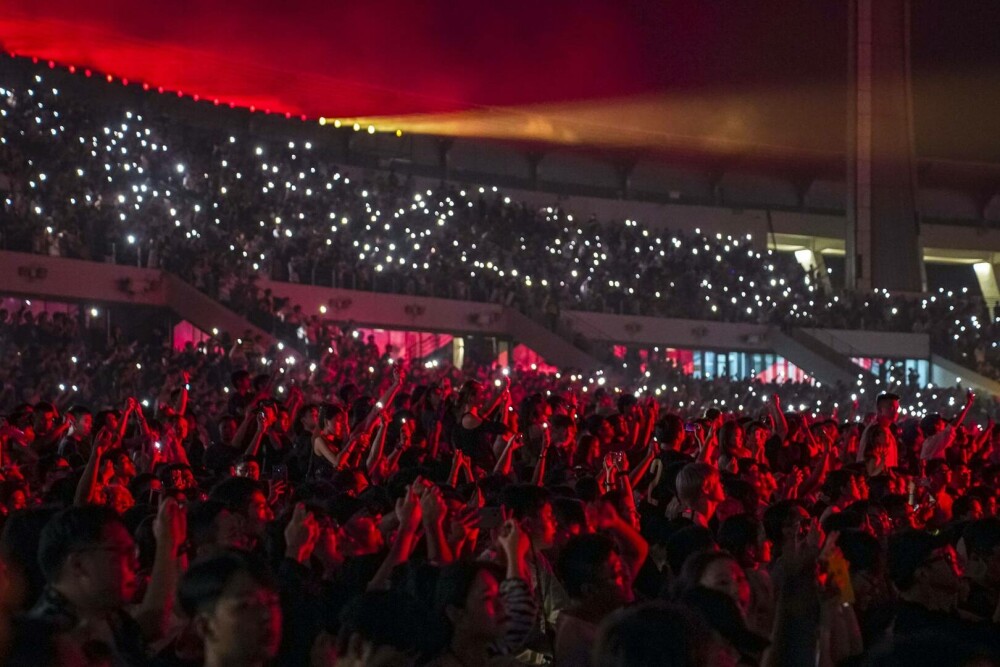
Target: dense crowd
(81, 180)
(226, 505)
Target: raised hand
(102, 442)
(170, 526)
(601, 515)
(301, 534)
(432, 505)
(277, 489)
(513, 540)
(408, 509)
(463, 526)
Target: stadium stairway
(815, 356)
(556, 349)
(430, 314)
(81, 281)
(947, 373)
(74, 280)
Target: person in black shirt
(925, 570)
(982, 546)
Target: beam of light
(722, 124)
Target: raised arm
(505, 459)
(378, 444)
(130, 405)
(254, 447)
(970, 398)
(182, 398)
(501, 396)
(637, 473)
(633, 546)
(538, 476)
(409, 515)
(780, 423)
(519, 604)
(87, 489)
(398, 377)
(170, 531)
(434, 511)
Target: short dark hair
(385, 618)
(238, 377)
(836, 482)
(201, 519)
(70, 530)
(235, 492)
(885, 396)
(569, 511)
(861, 549)
(670, 426)
(525, 500)
(580, 559)
(929, 423)
(204, 583)
(934, 466)
(908, 551)
(455, 580)
(982, 536)
(738, 533)
(776, 516)
(963, 505)
(652, 635)
(693, 569)
(686, 541)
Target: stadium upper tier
(215, 207)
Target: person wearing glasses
(90, 563)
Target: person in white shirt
(939, 434)
(886, 413)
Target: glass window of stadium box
(909, 371)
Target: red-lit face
(18, 501)
(888, 410)
(45, 421)
(83, 424)
(227, 430)
(483, 616)
(726, 576)
(310, 418)
(106, 572)
(614, 583)
(244, 627)
(713, 489)
(542, 527)
(258, 513)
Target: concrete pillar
(986, 272)
(458, 352)
(883, 247)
